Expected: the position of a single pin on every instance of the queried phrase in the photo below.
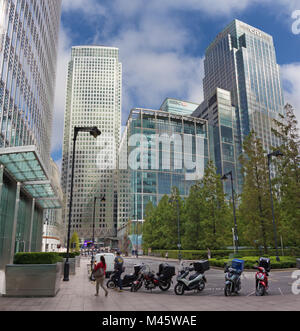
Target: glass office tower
(242, 60)
(242, 92)
(159, 151)
(93, 99)
(223, 135)
(28, 52)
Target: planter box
(72, 266)
(33, 280)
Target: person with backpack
(99, 274)
(119, 269)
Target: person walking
(99, 274)
(119, 270)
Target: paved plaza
(78, 295)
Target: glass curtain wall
(165, 150)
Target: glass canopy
(25, 166)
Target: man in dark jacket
(119, 269)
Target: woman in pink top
(100, 280)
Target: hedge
(71, 254)
(250, 261)
(202, 254)
(37, 258)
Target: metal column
(31, 224)
(13, 237)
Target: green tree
(74, 242)
(207, 214)
(287, 180)
(149, 227)
(255, 210)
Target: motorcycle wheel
(110, 284)
(227, 290)
(201, 286)
(136, 287)
(179, 289)
(260, 291)
(164, 286)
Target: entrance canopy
(25, 165)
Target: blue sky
(162, 45)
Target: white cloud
(88, 7)
(291, 79)
(153, 44)
(155, 64)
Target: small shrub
(37, 258)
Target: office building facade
(242, 60)
(223, 135)
(93, 99)
(159, 151)
(179, 107)
(241, 69)
(28, 53)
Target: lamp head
(95, 132)
(278, 153)
(224, 177)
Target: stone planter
(33, 280)
(72, 266)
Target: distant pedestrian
(119, 270)
(99, 274)
(167, 255)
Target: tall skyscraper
(241, 61)
(28, 52)
(93, 99)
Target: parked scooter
(233, 277)
(127, 281)
(261, 276)
(163, 279)
(195, 282)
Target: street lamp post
(94, 216)
(95, 132)
(276, 154)
(178, 228)
(225, 177)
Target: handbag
(98, 273)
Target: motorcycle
(127, 280)
(261, 276)
(233, 277)
(163, 279)
(197, 281)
